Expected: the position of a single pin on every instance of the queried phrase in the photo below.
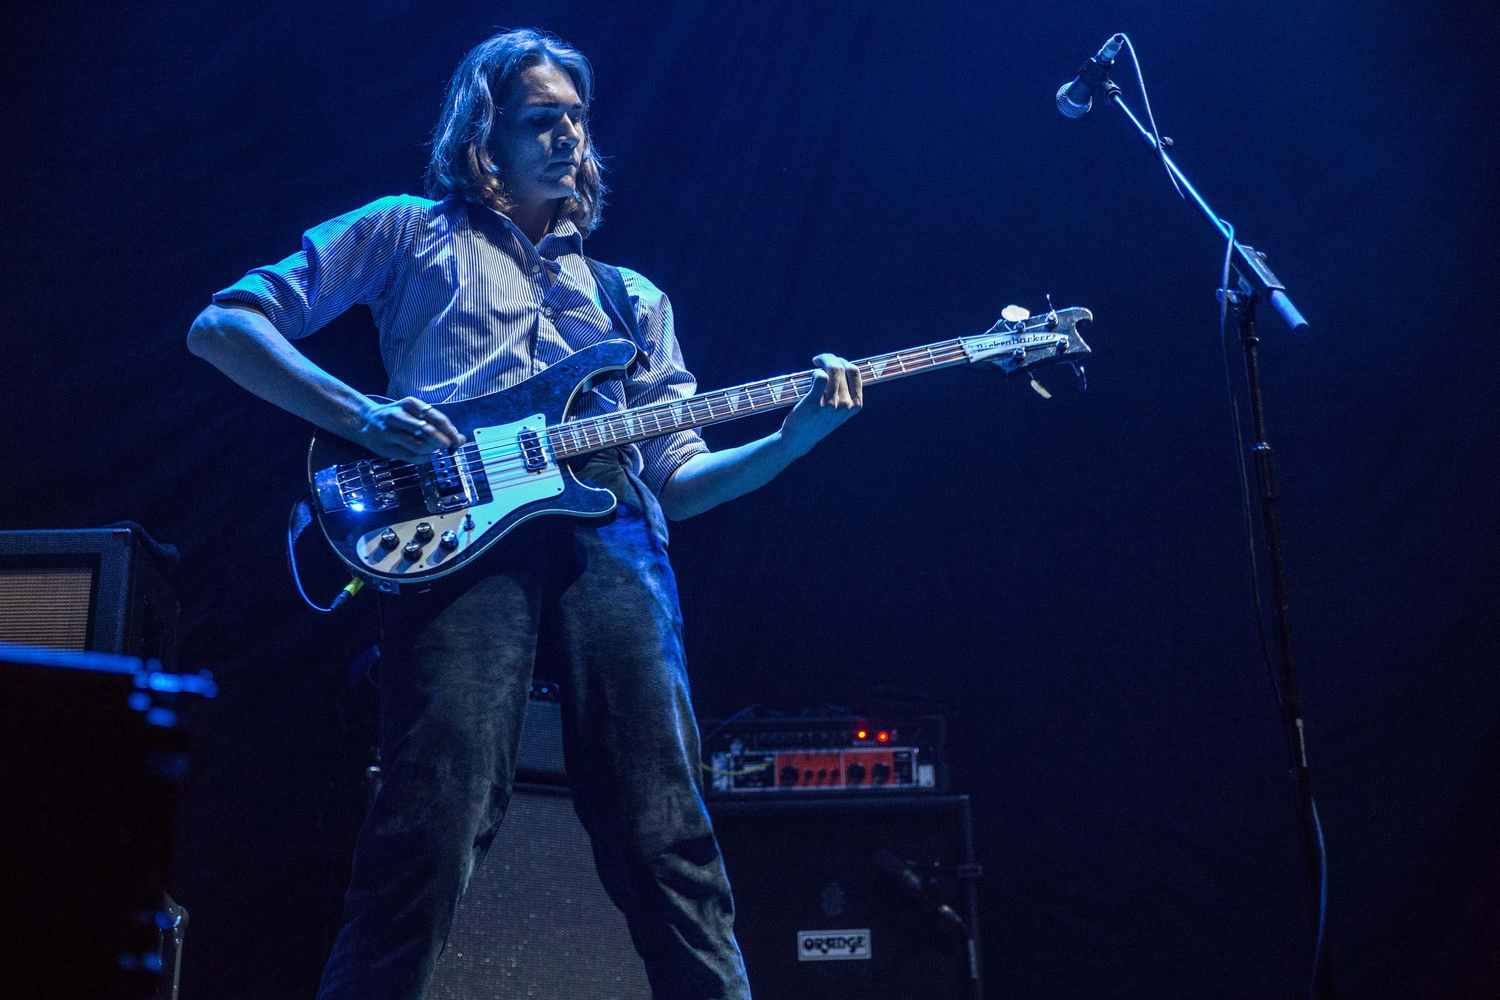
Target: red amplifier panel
(824, 755)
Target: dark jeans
(598, 607)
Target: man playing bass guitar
(474, 290)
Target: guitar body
(397, 524)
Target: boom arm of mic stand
(1249, 263)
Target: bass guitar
(400, 524)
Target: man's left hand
(835, 396)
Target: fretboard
(580, 437)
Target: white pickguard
(510, 487)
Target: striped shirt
(464, 308)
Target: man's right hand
(408, 429)
(242, 343)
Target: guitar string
(758, 392)
(758, 395)
(503, 468)
(498, 460)
(617, 424)
(952, 352)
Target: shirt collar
(564, 238)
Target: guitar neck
(581, 437)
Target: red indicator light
(861, 734)
(882, 736)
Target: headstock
(1021, 342)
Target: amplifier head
(843, 755)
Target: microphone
(1076, 97)
(912, 883)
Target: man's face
(539, 136)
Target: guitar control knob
(412, 550)
(424, 532)
(449, 541)
(856, 774)
(388, 539)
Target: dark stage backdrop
(1065, 578)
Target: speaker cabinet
(535, 920)
(819, 919)
(92, 589)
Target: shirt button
(536, 269)
(547, 311)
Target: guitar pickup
(532, 452)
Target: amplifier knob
(856, 774)
(449, 540)
(388, 539)
(424, 532)
(412, 551)
(789, 775)
(880, 774)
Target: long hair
(462, 162)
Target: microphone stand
(1257, 284)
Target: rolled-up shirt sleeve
(664, 378)
(343, 262)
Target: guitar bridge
(356, 486)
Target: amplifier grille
(46, 605)
(535, 921)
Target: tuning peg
(1040, 391)
(1015, 314)
(1051, 313)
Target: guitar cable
(297, 522)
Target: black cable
(725, 724)
(1256, 597)
(1255, 591)
(1161, 147)
(1257, 608)
(1249, 520)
